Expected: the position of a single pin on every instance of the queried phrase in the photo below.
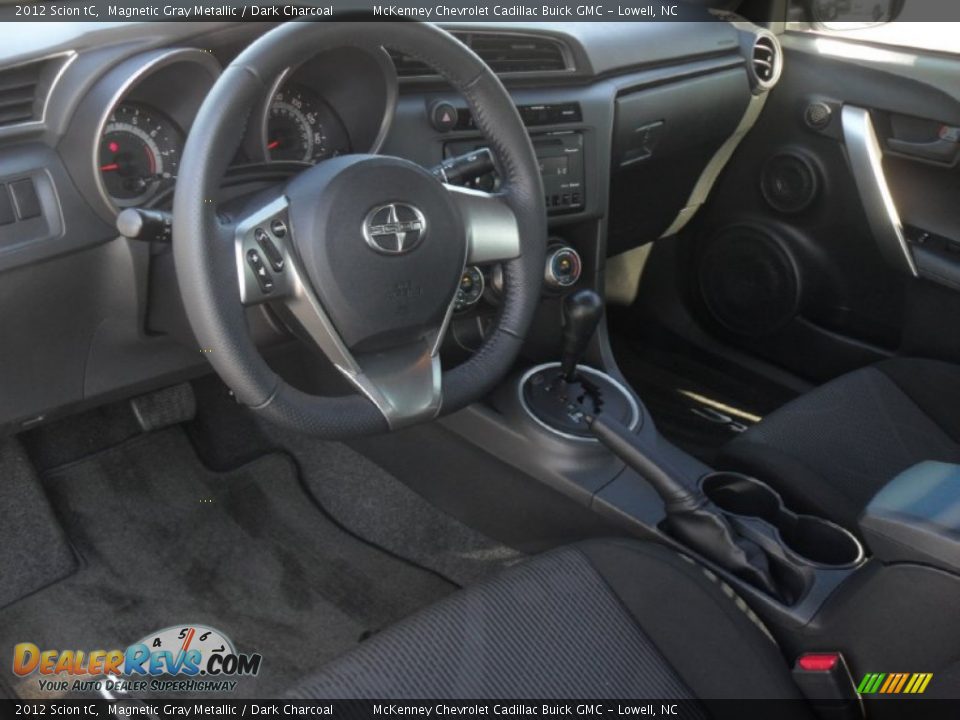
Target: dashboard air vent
(518, 53)
(766, 60)
(408, 67)
(24, 88)
(504, 53)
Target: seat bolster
(548, 628)
(828, 452)
(703, 629)
(605, 619)
(933, 385)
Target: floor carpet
(164, 541)
(373, 504)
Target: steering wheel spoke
(492, 231)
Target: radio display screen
(552, 166)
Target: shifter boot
(703, 528)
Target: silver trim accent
(634, 407)
(866, 161)
(119, 95)
(15, 128)
(382, 59)
(550, 277)
(776, 64)
(492, 231)
(404, 383)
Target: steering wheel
(362, 254)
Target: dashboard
(614, 111)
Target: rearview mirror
(853, 14)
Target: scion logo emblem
(395, 228)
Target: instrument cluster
(303, 126)
(314, 112)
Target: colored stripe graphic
(894, 683)
(891, 680)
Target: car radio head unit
(560, 155)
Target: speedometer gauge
(139, 153)
(301, 126)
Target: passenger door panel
(845, 190)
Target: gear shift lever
(582, 311)
(690, 516)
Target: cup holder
(813, 539)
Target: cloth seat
(611, 619)
(829, 451)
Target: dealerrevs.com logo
(181, 658)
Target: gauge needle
(273, 145)
(111, 166)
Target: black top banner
(831, 13)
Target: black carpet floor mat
(376, 506)
(164, 541)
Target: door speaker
(789, 182)
(749, 281)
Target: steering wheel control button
(278, 228)
(269, 249)
(471, 288)
(264, 279)
(443, 116)
(563, 267)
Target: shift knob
(582, 311)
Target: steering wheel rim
(206, 247)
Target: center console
(576, 426)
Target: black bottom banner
(670, 709)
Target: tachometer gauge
(139, 153)
(301, 126)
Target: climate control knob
(563, 267)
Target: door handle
(943, 151)
(866, 161)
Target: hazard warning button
(443, 116)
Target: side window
(899, 23)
